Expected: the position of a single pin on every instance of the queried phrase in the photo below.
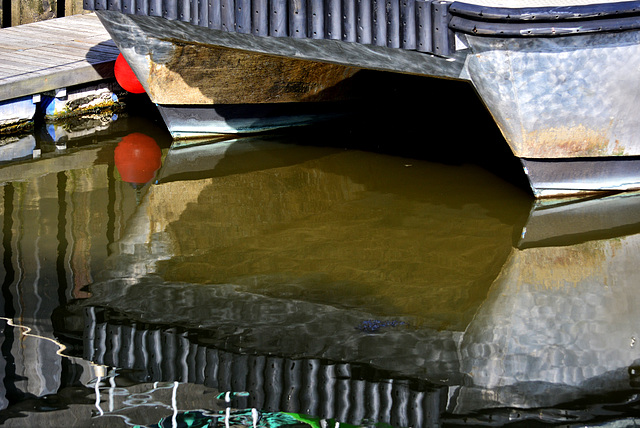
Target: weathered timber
(48, 55)
(19, 12)
(148, 33)
(197, 74)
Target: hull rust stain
(570, 141)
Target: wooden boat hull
(202, 89)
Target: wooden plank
(70, 29)
(76, 55)
(43, 74)
(36, 63)
(102, 40)
(88, 17)
(68, 53)
(19, 74)
(12, 74)
(87, 26)
(47, 32)
(58, 33)
(43, 34)
(47, 55)
(88, 20)
(87, 43)
(19, 66)
(53, 80)
(31, 35)
(71, 23)
(58, 50)
(16, 43)
(50, 56)
(46, 58)
(92, 47)
(17, 79)
(84, 18)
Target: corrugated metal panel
(402, 24)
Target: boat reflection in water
(315, 283)
(560, 322)
(307, 245)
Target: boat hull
(202, 89)
(198, 121)
(560, 83)
(578, 175)
(567, 107)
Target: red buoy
(137, 158)
(125, 76)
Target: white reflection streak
(227, 416)
(100, 372)
(96, 388)
(112, 387)
(174, 404)
(25, 331)
(255, 415)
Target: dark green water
(347, 274)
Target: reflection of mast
(347, 392)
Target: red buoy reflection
(137, 158)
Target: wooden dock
(53, 54)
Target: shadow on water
(438, 120)
(350, 272)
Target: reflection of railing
(347, 392)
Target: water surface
(320, 276)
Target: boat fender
(126, 77)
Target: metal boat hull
(567, 106)
(197, 121)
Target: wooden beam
(5, 14)
(18, 12)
